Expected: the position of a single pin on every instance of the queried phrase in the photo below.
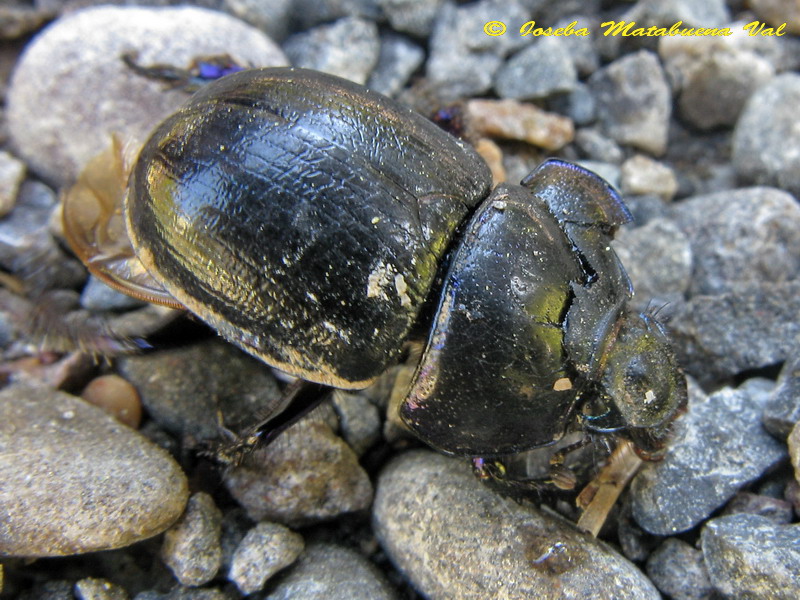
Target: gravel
(699, 134)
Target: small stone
(49, 590)
(747, 235)
(184, 390)
(359, 420)
(578, 105)
(98, 296)
(792, 495)
(309, 13)
(582, 49)
(266, 549)
(714, 78)
(235, 525)
(463, 63)
(115, 396)
(53, 127)
(607, 171)
(693, 14)
(634, 101)
(26, 247)
(327, 571)
(184, 593)
(415, 17)
(782, 410)
(539, 70)
(766, 141)
(307, 475)
(509, 119)
(273, 17)
(486, 545)
(191, 547)
(647, 208)
(794, 450)
(778, 12)
(658, 259)
(643, 175)
(17, 21)
(678, 571)
(81, 481)
(751, 327)
(348, 48)
(399, 58)
(777, 510)
(748, 556)
(717, 448)
(99, 589)
(12, 172)
(598, 146)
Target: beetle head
(643, 386)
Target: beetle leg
(299, 398)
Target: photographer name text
(631, 29)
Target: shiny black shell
(302, 216)
(531, 297)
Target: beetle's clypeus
(313, 223)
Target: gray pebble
(348, 48)
(309, 13)
(782, 409)
(307, 475)
(539, 70)
(70, 90)
(98, 296)
(582, 50)
(26, 246)
(273, 17)
(748, 556)
(327, 571)
(359, 420)
(752, 326)
(718, 447)
(399, 58)
(49, 590)
(746, 235)
(794, 450)
(766, 141)
(81, 481)
(634, 101)
(91, 588)
(714, 78)
(186, 593)
(678, 571)
(463, 62)
(777, 510)
(712, 13)
(191, 547)
(266, 549)
(12, 172)
(184, 389)
(607, 171)
(597, 146)
(578, 105)
(658, 260)
(415, 17)
(647, 208)
(455, 538)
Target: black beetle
(313, 223)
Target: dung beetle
(319, 226)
